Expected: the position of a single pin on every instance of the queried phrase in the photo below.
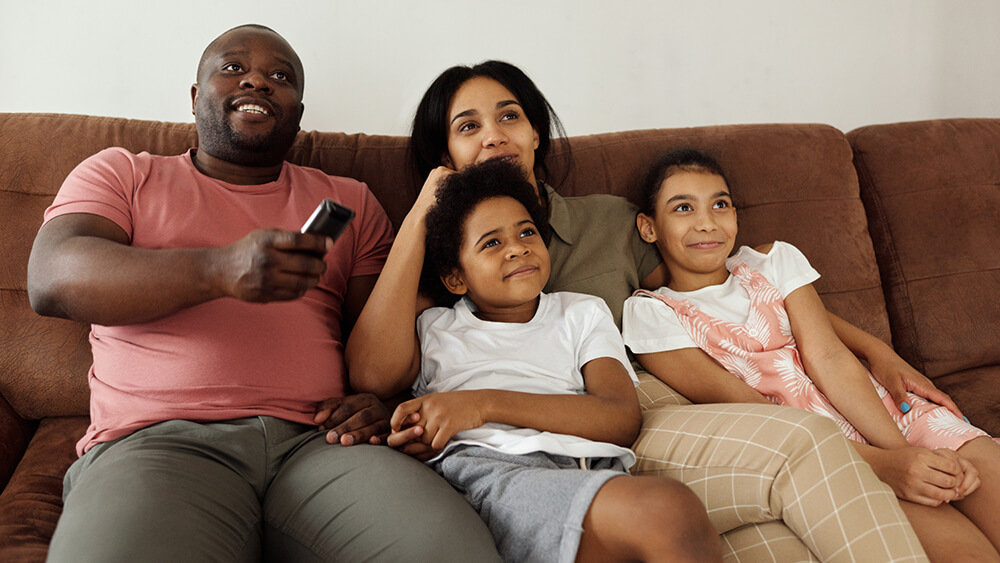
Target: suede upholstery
(928, 195)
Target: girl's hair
(457, 197)
(429, 134)
(681, 160)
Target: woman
(755, 467)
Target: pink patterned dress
(762, 353)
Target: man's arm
(82, 267)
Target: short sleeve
(600, 337)
(650, 325)
(374, 236)
(102, 185)
(785, 266)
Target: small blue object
(905, 407)
(966, 419)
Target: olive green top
(596, 248)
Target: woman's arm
(837, 372)
(609, 412)
(383, 352)
(888, 368)
(694, 374)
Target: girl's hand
(923, 476)
(899, 377)
(441, 415)
(970, 478)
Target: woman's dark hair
(681, 160)
(458, 195)
(429, 134)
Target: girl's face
(694, 228)
(503, 262)
(486, 121)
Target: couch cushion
(791, 182)
(932, 192)
(31, 503)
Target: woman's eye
(491, 242)
(527, 233)
(683, 207)
(468, 126)
(721, 204)
(509, 116)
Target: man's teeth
(252, 108)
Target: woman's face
(486, 121)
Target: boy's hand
(441, 415)
(926, 477)
(354, 419)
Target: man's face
(248, 99)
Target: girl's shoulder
(758, 256)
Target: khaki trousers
(780, 484)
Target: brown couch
(910, 253)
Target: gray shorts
(534, 504)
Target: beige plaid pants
(780, 484)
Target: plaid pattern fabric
(756, 466)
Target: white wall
(605, 66)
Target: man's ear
(454, 283)
(194, 97)
(644, 223)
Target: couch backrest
(790, 182)
(932, 191)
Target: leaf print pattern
(763, 354)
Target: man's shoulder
(317, 175)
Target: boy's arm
(887, 367)
(837, 372)
(694, 374)
(609, 412)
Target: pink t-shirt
(225, 358)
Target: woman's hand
(899, 377)
(428, 193)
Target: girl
(529, 396)
(756, 315)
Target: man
(216, 332)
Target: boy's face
(694, 229)
(503, 261)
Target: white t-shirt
(460, 351)
(649, 325)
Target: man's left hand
(355, 419)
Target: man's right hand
(271, 265)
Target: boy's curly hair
(457, 196)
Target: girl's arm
(837, 372)
(694, 374)
(383, 352)
(609, 412)
(920, 475)
(888, 368)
